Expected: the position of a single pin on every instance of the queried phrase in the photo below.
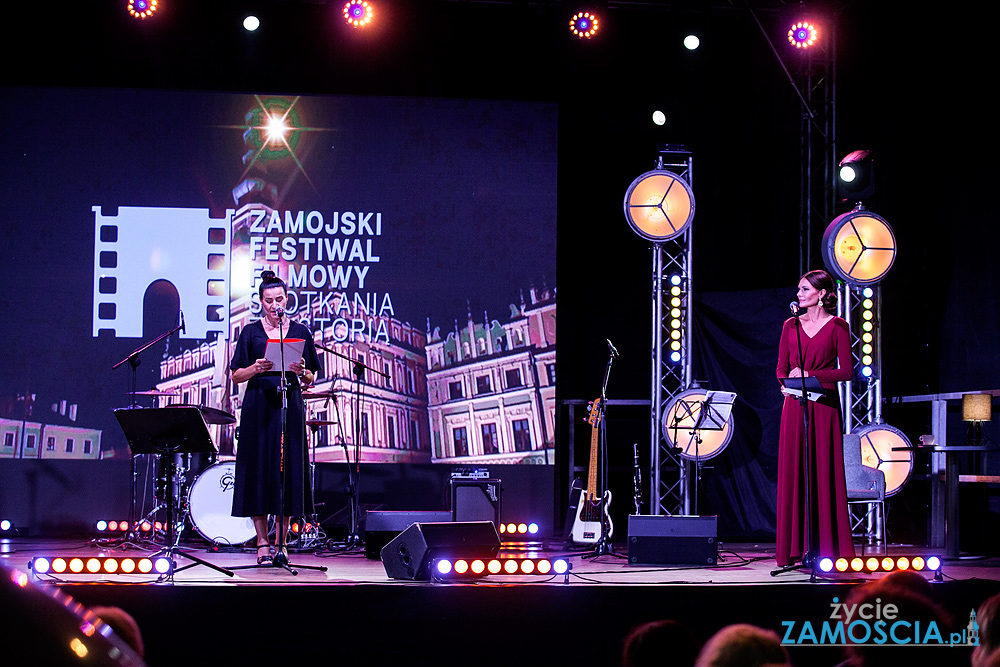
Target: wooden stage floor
(354, 612)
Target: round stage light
(872, 564)
(841, 565)
(478, 566)
(560, 566)
(902, 563)
(933, 563)
(5, 524)
(93, 565)
(857, 564)
(848, 174)
(110, 565)
(41, 565)
(76, 565)
(544, 566)
(510, 566)
(58, 565)
(802, 35)
(917, 563)
(102, 526)
(128, 566)
(251, 23)
(884, 447)
(494, 567)
(461, 566)
(162, 565)
(691, 42)
(826, 564)
(659, 205)
(681, 416)
(444, 566)
(145, 565)
(584, 25)
(522, 528)
(887, 563)
(142, 9)
(659, 118)
(859, 247)
(533, 528)
(358, 13)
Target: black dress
(258, 456)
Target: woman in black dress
(258, 458)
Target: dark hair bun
(267, 275)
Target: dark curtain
(736, 349)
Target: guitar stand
(604, 545)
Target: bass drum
(210, 503)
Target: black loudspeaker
(409, 554)
(475, 500)
(381, 526)
(672, 540)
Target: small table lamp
(976, 409)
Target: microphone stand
(280, 558)
(132, 538)
(807, 554)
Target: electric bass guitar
(591, 510)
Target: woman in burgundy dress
(826, 355)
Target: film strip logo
(137, 246)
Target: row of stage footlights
(52, 565)
(884, 564)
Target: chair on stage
(865, 486)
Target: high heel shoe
(265, 558)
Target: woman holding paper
(259, 456)
(826, 355)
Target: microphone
(183, 330)
(794, 307)
(614, 352)
(280, 312)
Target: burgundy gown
(827, 357)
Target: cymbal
(156, 392)
(307, 395)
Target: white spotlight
(691, 42)
(251, 23)
(659, 117)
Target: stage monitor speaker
(409, 554)
(672, 540)
(383, 525)
(475, 500)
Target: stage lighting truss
(358, 13)
(886, 448)
(659, 206)
(679, 420)
(100, 565)
(445, 569)
(802, 34)
(142, 9)
(859, 247)
(584, 24)
(885, 564)
(861, 307)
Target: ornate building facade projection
(491, 387)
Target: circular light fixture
(882, 448)
(681, 416)
(358, 13)
(802, 35)
(584, 25)
(141, 9)
(659, 118)
(251, 23)
(691, 42)
(659, 205)
(859, 247)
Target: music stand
(169, 431)
(713, 416)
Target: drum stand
(169, 431)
